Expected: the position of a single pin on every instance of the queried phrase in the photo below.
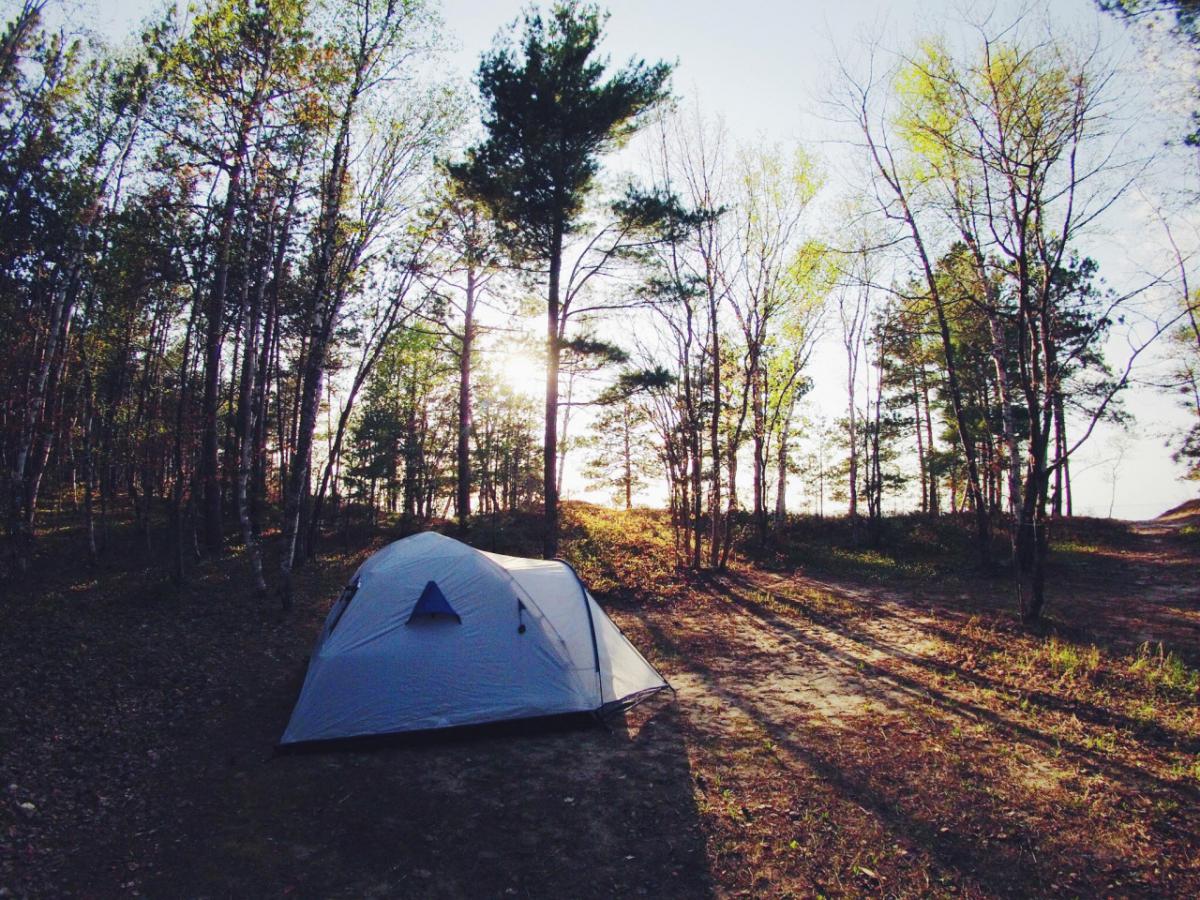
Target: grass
(909, 548)
(1164, 672)
(1063, 659)
(625, 555)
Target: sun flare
(522, 372)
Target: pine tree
(549, 115)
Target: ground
(846, 722)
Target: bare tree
(775, 194)
(381, 156)
(903, 200)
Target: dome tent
(431, 633)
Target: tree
(903, 198)
(1012, 134)
(469, 261)
(677, 294)
(374, 160)
(776, 191)
(69, 118)
(240, 59)
(549, 114)
(402, 439)
(884, 423)
(696, 249)
(854, 313)
(788, 356)
(507, 458)
(1184, 16)
(620, 460)
(1187, 371)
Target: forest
(253, 264)
(277, 285)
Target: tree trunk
(1062, 471)
(463, 448)
(714, 434)
(301, 465)
(983, 531)
(759, 424)
(411, 456)
(982, 524)
(921, 465)
(781, 473)
(731, 454)
(267, 361)
(1033, 541)
(89, 471)
(324, 299)
(39, 410)
(626, 451)
(934, 492)
(214, 334)
(248, 395)
(695, 451)
(177, 491)
(1000, 362)
(550, 446)
(731, 506)
(563, 432)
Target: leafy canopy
(549, 113)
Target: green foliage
(549, 113)
(1065, 660)
(620, 451)
(401, 439)
(625, 555)
(1186, 342)
(1165, 672)
(1186, 13)
(1184, 16)
(507, 446)
(660, 213)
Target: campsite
(827, 728)
(577, 449)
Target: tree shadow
(851, 629)
(943, 806)
(544, 808)
(886, 683)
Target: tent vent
(432, 604)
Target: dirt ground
(829, 736)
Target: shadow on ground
(582, 811)
(883, 740)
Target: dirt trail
(868, 707)
(806, 669)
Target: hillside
(1189, 510)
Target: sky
(765, 67)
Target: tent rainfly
(431, 633)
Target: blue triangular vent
(433, 603)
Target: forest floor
(847, 722)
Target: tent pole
(587, 606)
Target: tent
(431, 633)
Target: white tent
(432, 633)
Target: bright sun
(522, 373)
